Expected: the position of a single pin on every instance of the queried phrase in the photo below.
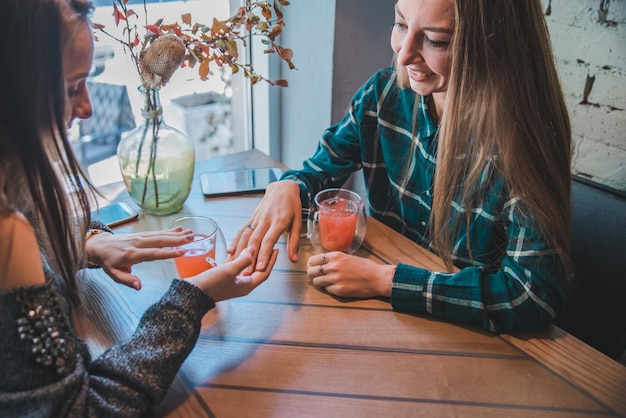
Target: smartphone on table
(115, 214)
(238, 182)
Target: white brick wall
(589, 41)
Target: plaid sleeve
(339, 151)
(522, 294)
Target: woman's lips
(418, 75)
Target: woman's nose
(409, 52)
(83, 109)
(81, 105)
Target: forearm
(498, 302)
(142, 369)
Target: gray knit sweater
(46, 369)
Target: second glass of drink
(207, 249)
(337, 220)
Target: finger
(152, 254)
(266, 249)
(321, 281)
(240, 263)
(241, 241)
(293, 240)
(259, 277)
(125, 278)
(256, 238)
(232, 248)
(316, 271)
(316, 260)
(164, 240)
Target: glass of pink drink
(337, 220)
(207, 248)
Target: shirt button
(423, 223)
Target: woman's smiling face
(421, 38)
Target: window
(203, 109)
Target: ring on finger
(252, 227)
(320, 270)
(323, 258)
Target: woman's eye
(437, 44)
(72, 91)
(399, 26)
(75, 88)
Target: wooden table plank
(361, 374)
(242, 402)
(578, 363)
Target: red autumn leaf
(130, 12)
(136, 40)
(279, 13)
(186, 18)
(118, 15)
(267, 13)
(285, 53)
(154, 29)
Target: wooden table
(291, 350)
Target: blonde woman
(465, 149)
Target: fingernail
(136, 285)
(259, 265)
(189, 237)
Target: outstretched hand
(116, 254)
(279, 211)
(228, 280)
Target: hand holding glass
(337, 220)
(207, 249)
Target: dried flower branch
(157, 50)
(165, 47)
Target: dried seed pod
(159, 61)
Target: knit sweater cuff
(189, 296)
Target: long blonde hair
(504, 107)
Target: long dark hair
(44, 180)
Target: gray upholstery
(596, 311)
(112, 115)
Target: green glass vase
(156, 160)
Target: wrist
(389, 271)
(91, 235)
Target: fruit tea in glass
(339, 220)
(202, 253)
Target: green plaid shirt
(511, 281)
